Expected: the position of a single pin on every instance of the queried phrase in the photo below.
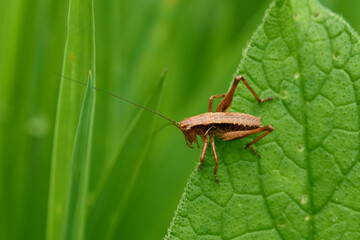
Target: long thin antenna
(114, 95)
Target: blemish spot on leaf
(304, 199)
(316, 15)
(336, 54)
(281, 222)
(300, 148)
(72, 58)
(284, 94)
(307, 218)
(296, 75)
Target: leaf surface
(306, 185)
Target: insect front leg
(202, 157)
(215, 157)
(253, 92)
(241, 134)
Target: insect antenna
(114, 95)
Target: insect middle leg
(241, 134)
(215, 157)
(202, 157)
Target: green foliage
(139, 135)
(70, 157)
(75, 217)
(306, 185)
(199, 42)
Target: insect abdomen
(221, 118)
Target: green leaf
(80, 164)
(79, 57)
(306, 185)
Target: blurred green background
(199, 42)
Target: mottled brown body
(230, 118)
(224, 125)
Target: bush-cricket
(225, 125)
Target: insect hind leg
(211, 99)
(268, 129)
(253, 92)
(225, 103)
(229, 136)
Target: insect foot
(252, 149)
(267, 99)
(200, 167)
(217, 181)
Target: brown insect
(227, 126)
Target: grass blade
(107, 213)
(75, 214)
(79, 57)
